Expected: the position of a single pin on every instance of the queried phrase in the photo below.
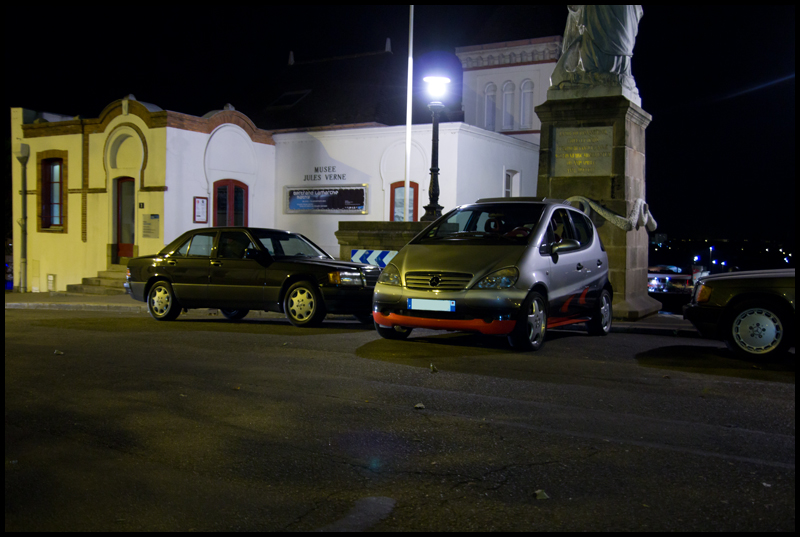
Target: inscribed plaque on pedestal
(583, 151)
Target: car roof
(520, 200)
(237, 228)
(751, 274)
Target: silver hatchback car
(498, 266)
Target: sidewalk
(664, 324)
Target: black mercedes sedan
(238, 269)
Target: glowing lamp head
(437, 85)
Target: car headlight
(390, 276)
(344, 277)
(703, 293)
(501, 279)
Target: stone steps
(107, 282)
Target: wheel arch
(153, 280)
(541, 288)
(293, 279)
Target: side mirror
(567, 245)
(259, 255)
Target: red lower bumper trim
(471, 325)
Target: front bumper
(135, 289)
(705, 319)
(486, 311)
(347, 300)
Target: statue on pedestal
(597, 50)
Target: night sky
(718, 80)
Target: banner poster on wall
(340, 199)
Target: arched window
(508, 105)
(230, 203)
(526, 105)
(490, 105)
(398, 199)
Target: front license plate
(426, 304)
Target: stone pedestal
(594, 147)
(375, 236)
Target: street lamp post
(436, 87)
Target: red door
(126, 216)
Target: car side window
(292, 246)
(583, 228)
(180, 252)
(232, 244)
(562, 228)
(201, 245)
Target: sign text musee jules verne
(325, 173)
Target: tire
(531, 328)
(303, 305)
(396, 332)
(161, 302)
(234, 315)
(600, 324)
(758, 330)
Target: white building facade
(503, 82)
(473, 164)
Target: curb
(80, 307)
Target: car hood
(478, 260)
(750, 275)
(321, 262)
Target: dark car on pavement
(753, 312)
(238, 269)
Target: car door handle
(599, 263)
(579, 267)
(216, 264)
(172, 262)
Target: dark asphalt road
(204, 424)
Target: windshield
(287, 244)
(501, 223)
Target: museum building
(99, 190)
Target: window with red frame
(230, 203)
(397, 200)
(52, 193)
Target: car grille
(371, 275)
(444, 281)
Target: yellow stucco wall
(49, 252)
(140, 153)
